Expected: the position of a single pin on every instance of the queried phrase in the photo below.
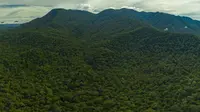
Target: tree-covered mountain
(162, 21)
(85, 24)
(75, 61)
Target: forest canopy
(74, 61)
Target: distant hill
(162, 21)
(85, 24)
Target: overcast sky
(37, 8)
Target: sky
(20, 11)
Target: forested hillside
(75, 61)
(162, 21)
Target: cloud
(21, 14)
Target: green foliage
(137, 69)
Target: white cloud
(22, 14)
(134, 8)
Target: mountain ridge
(161, 21)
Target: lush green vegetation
(113, 64)
(162, 21)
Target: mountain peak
(55, 11)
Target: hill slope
(162, 21)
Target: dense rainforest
(76, 61)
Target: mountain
(84, 23)
(162, 21)
(76, 61)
